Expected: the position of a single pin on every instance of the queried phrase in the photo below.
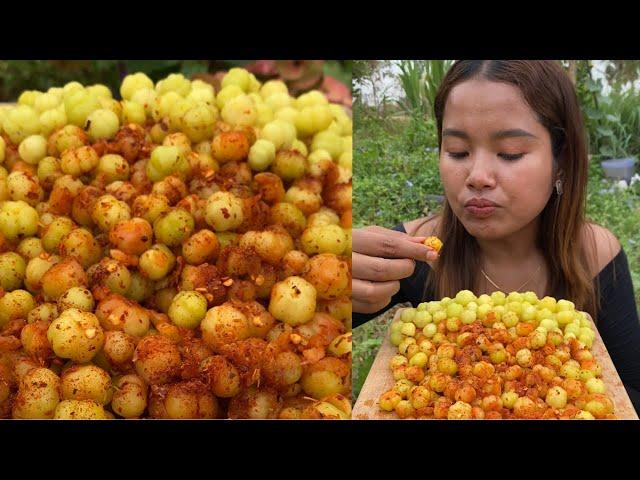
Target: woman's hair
(551, 95)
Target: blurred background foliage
(301, 75)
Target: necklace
(517, 289)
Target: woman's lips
(480, 207)
(480, 212)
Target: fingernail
(432, 255)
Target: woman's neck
(513, 260)
(518, 246)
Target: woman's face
(495, 162)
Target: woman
(514, 165)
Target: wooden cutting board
(380, 379)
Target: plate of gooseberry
(493, 356)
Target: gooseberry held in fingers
(434, 243)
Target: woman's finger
(394, 233)
(381, 269)
(374, 292)
(377, 244)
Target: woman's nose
(481, 171)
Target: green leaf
(594, 87)
(605, 132)
(606, 152)
(593, 113)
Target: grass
(395, 173)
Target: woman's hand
(381, 258)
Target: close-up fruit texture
(184, 252)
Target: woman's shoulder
(423, 227)
(601, 246)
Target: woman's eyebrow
(514, 132)
(452, 132)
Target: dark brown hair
(549, 92)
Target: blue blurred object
(619, 168)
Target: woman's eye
(458, 154)
(511, 156)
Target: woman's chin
(485, 229)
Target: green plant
(412, 80)
(421, 134)
(420, 80)
(612, 121)
(435, 72)
(622, 112)
(614, 139)
(589, 95)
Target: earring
(559, 187)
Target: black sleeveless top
(617, 319)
